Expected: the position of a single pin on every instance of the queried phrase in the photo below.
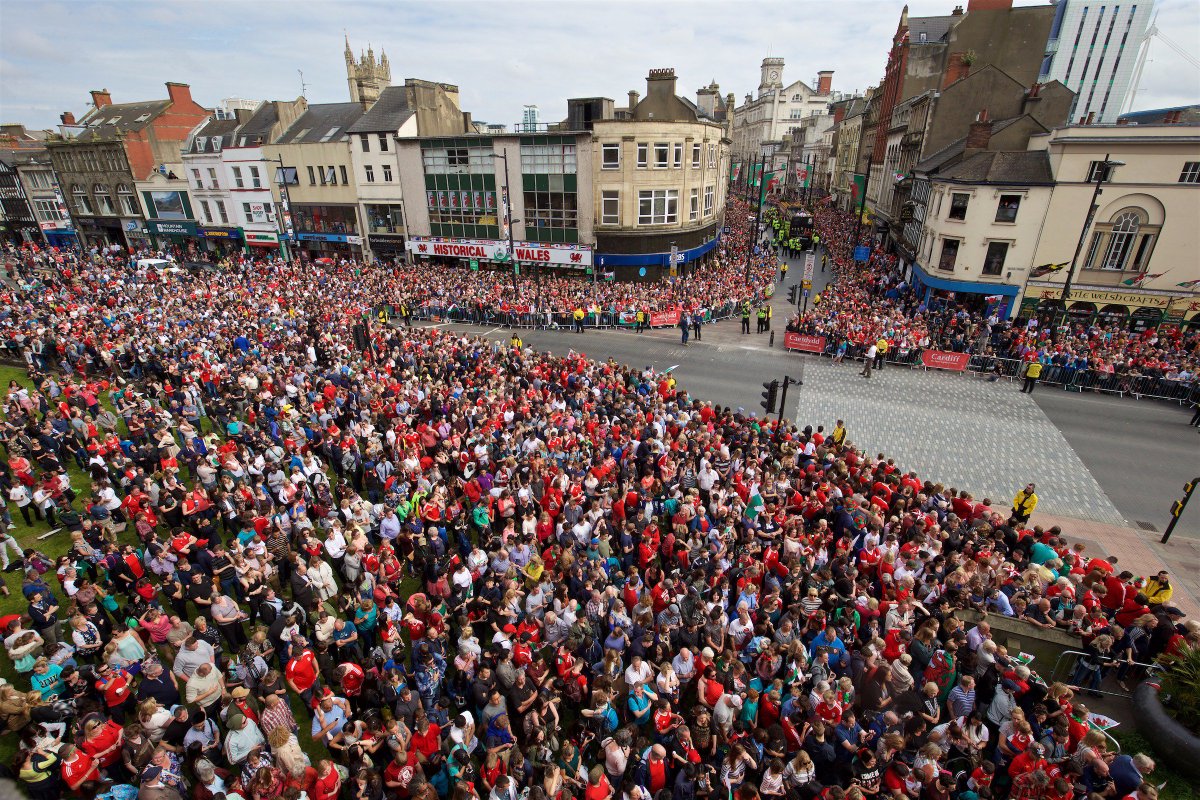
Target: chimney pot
(67, 117)
(101, 98)
(979, 135)
(957, 12)
(633, 98)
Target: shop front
(179, 237)
(637, 255)
(986, 298)
(1137, 311)
(483, 253)
(262, 242)
(387, 246)
(102, 232)
(59, 234)
(337, 246)
(220, 240)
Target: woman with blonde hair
(799, 771)
(14, 709)
(153, 718)
(286, 748)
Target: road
(1106, 459)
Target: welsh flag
(772, 180)
(1189, 284)
(858, 188)
(1138, 280)
(756, 175)
(735, 172)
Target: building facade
(1139, 253)
(99, 158)
(1096, 49)
(418, 108)
(777, 108)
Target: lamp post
(757, 218)
(283, 222)
(1103, 173)
(508, 221)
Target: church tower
(367, 77)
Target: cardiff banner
(944, 359)
(803, 341)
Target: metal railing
(1059, 675)
(560, 319)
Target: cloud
(503, 55)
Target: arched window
(128, 201)
(1123, 244)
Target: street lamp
(1103, 170)
(509, 221)
(283, 222)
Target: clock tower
(772, 75)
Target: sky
(502, 54)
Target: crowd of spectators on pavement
(873, 301)
(310, 555)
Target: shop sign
(569, 255)
(329, 237)
(219, 233)
(171, 227)
(1104, 297)
(944, 359)
(803, 341)
(264, 238)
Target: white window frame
(212, 178)
(255, 177)
(643, 155)
(694, 204)
(662, 155)
(710, 195)
(697, 153)
(1190, 172)
(222, 212)
(677, 155)
(664, 206)
(206, 211)
(238, 182)
(370, 173)
(605, 150)
(387, 173)
(607, 196)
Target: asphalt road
(1141, 452)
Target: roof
(934, 28)
(322, 122)
(1024, 168)
(108, 121)
(219, 129)
(259, 125)
(387, 113)
(934, 161)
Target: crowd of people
(874, 301)
(314, 556)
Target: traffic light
(792, 294)
(770, 396)
(1177, 507)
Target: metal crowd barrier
(493, 317)
(1058, 675)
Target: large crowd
(314, 556)
(867, 302)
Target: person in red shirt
(301, 672)
(118, 698)
(326, 782)
(79, 771)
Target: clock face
(774, 75)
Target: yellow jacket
(1024, 504)
(1156, 593)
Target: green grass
(1178, 787)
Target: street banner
(944, 359)
(810, 265)
(858, 188)
(802, 175)
(756, 175)
(658, 318)
(735, 172)
(803, 341)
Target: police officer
(745, 316)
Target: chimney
(824, 82)
(633, 98)
(1122, 121)
(839, 113)
(1091, 118)
(988, 5)
(980, 133)
(68, 118)
(180, 93)
(661, 82)
(956, 69)
(957, 12)
(101, 98)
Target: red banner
(659, 318)
(803, 341)
(942, 359)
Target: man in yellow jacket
(1024, 504)
(1158, 590)
(1032, 373)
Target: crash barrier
(1065, 668)
(550, 320)
(995, 367)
